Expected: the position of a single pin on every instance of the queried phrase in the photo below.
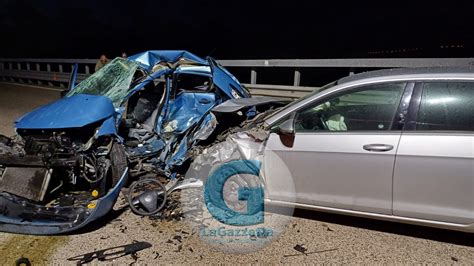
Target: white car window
(366, 108)
(446, 106)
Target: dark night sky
(234, 29)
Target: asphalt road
(327, 238)
(15, 100)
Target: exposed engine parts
(57, 163)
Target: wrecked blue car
(134, 117)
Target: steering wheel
(147, 197)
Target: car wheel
(118, 160)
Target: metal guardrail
(53, 72)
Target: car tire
(118, 159)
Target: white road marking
(33, 86)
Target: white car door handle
(378, 147)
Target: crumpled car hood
(70, 112)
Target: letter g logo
(254, 196)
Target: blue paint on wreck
(70, 112)
(226, 81)
(107, 128)
(187, 109)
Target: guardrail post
(88, 71)
(61, 85)
(18, 66)
(296, 81)
(253, 76)
(351, 71)
(48, 69)
(10, 67)
(28, 68)
(38, 68)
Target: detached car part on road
(132, 118)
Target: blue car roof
(221, 77)
(150, 58)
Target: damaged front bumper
(18, 215)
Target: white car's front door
(344, 149)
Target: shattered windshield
(113, 81)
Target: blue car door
(186, 110)
(226, 82)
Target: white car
(394, 145)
